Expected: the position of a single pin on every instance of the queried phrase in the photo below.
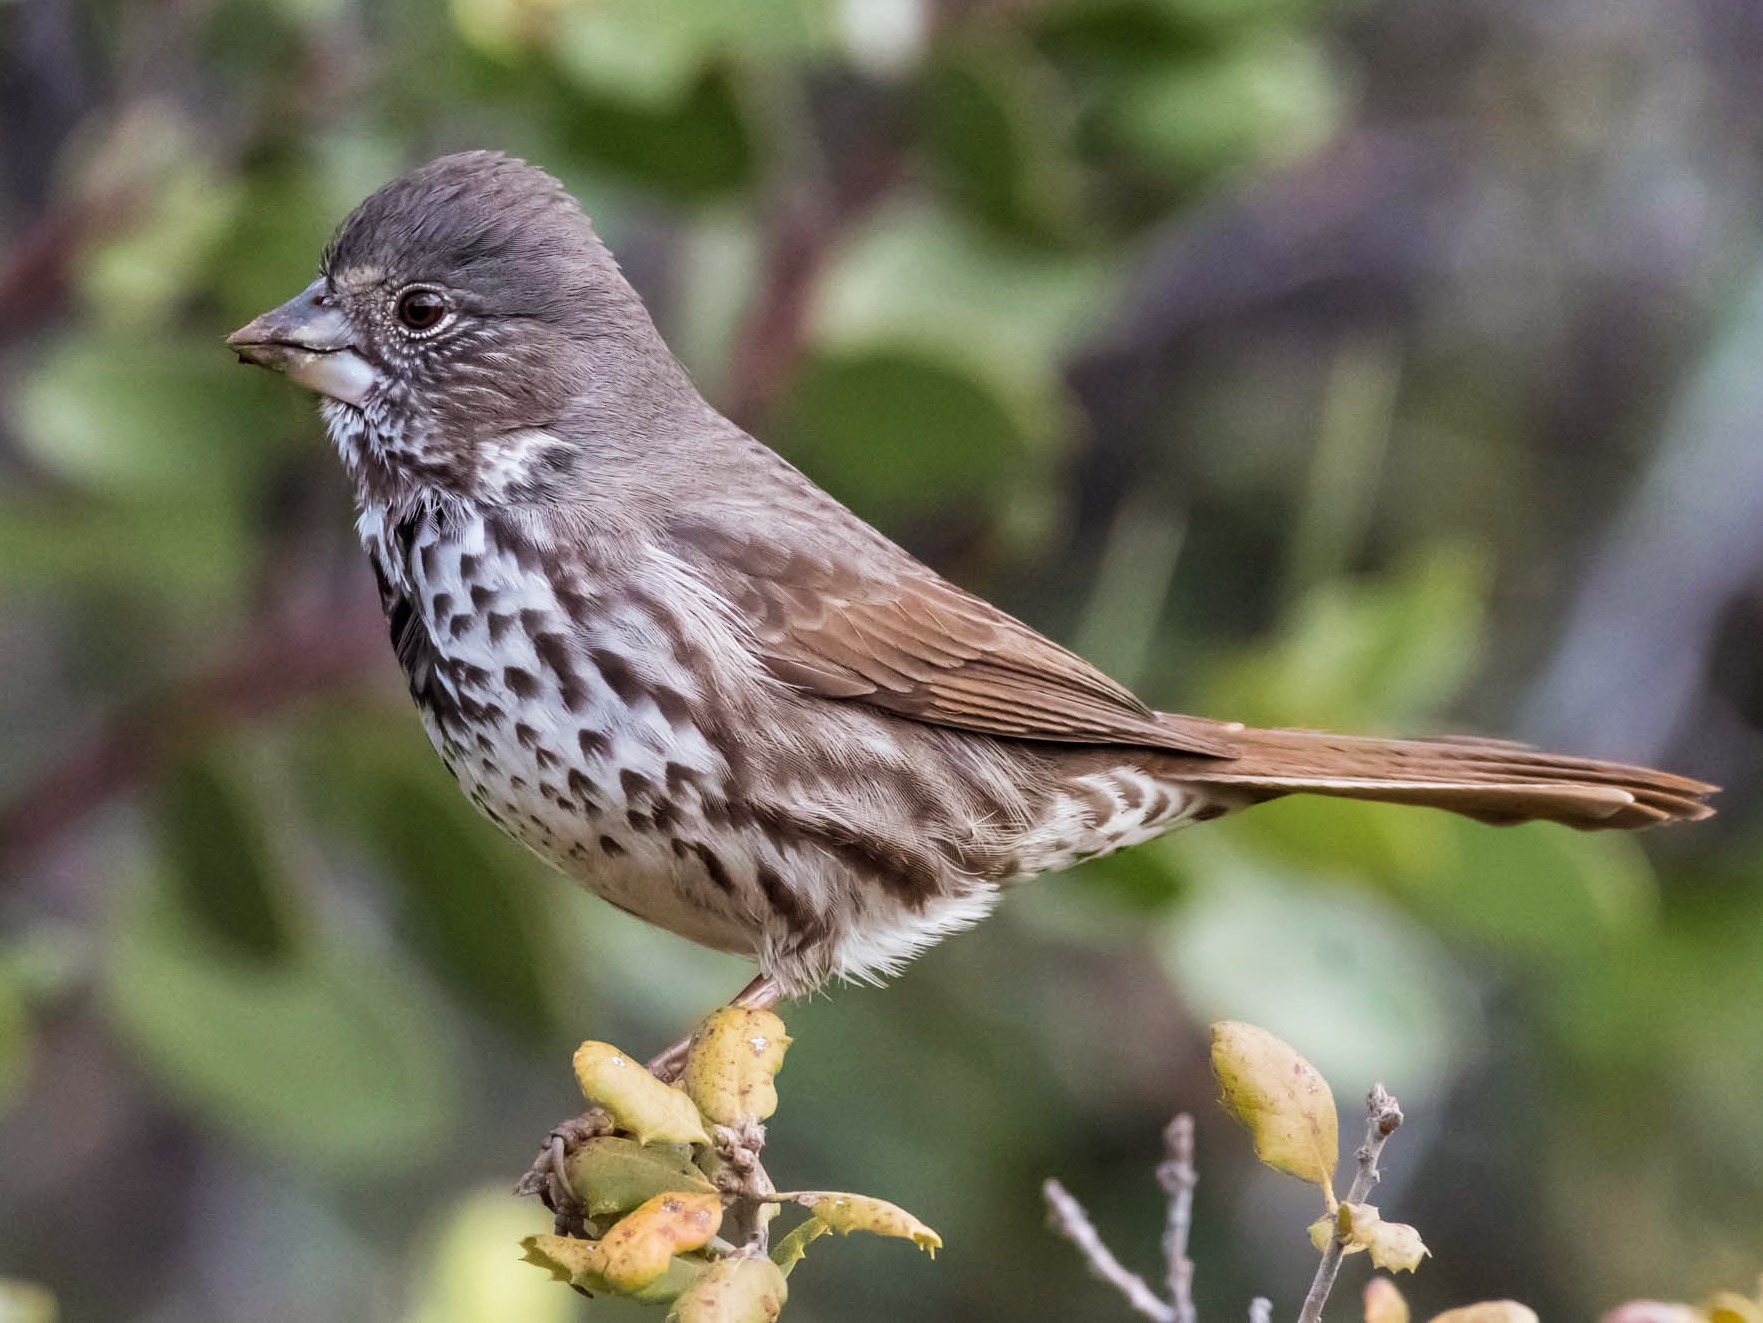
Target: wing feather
(882, 629)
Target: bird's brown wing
(893, 635)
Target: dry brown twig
(1177, 1177)
(1383, 1116)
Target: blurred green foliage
(265, 978)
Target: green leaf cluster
(653, 1182)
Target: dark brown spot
(713, 866)
(1098, 806)
(784, 901)
(481, 597)
(594, 743)
(466, 673)
(635, 785)
(582, 789)
(672, 705)
(575, 604)
(610, 847)
(526, 555)
(500, 621)
(528, 736)
(913, 877)
(553, 652)
(524, 683)
(617, 673)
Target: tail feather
(1490, 780)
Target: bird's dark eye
(421, 309)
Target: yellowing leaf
(564, 1257)
(846, 1213)
(793, 1248)
(1384, 1303)
(1731, 1307)
(1280, 1096)
(581, 1263)
(639, 1247)
(1395, 1246)
(636, 1257)
(1488, 1311)
(638, 1101)
(741, 1289)
(613, 1174)
(734, 1055)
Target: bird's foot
(548, 1177)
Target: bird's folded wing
(897, 637)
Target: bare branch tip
(1384, 1110)
(1175, 1173)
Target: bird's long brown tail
(1490, 780)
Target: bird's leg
(548, 1177)
(759, 995)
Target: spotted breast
(577, 702)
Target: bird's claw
(548, 1177)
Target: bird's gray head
(471, 334)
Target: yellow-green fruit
(582, 1263)
(748, 1289)
(638, 1101)
(734, 1056)
(613, 1174)
(846, 1213)
(638, 1249)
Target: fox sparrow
(670, 665)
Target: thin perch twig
(1383, 1116)
(1177, 1177)
(1068, 1218)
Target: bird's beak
(309, 339)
